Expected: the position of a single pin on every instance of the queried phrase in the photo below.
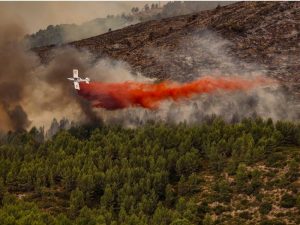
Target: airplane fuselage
(79, 79)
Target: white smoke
(47, 94)
(209, 54)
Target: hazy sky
(37, 15)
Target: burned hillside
(264, 34)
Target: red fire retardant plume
(114, 96)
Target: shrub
(277, 159)
(245, 215)
(298, 201)
(288, 201)
(219, 209)
(265, 208)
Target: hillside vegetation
(214, 173)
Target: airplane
(76, 79)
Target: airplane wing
(75, 73)
(76, 85)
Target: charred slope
(263, 33)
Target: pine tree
(161, 215)
(2, 190)
(241, 177)
(76, 201)
(107, 198)
(208, 220)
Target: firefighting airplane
(76, 79)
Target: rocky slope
(260, 36)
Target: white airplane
(76, 79)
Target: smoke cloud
(16, 65)
(32, 93)
(204, 53)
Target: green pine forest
(158, 173)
